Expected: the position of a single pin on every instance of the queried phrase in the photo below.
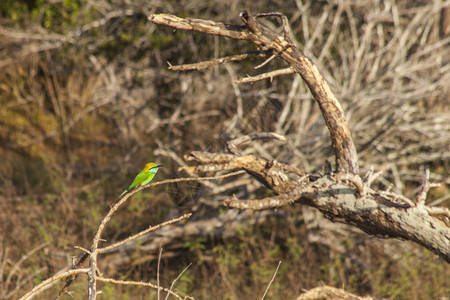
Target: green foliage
(56, 16)
(15, 10)
(51, 15)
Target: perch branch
(94, 250)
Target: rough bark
(340, 198)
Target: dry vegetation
(87, 100)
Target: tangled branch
(340, 195)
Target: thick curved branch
(339, 198)
(281, 46)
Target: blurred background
(86, 100)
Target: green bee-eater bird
(144, 177)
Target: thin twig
(216, 61)
(271, 280)
(234, 144)
(422, 196)
(140, 283)
(82, 249)
(265, 62)
(188, 179)
(176, 279)
(284, 20)
(269, 75)
(52, 279)
(439, 200)
(391, 196)
(29, 278)
(144, 232)
(157, 272)
(22, 259)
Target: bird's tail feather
(126, 190)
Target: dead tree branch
(338, 198)
(272, 44)
(93, 252)
(342, 195)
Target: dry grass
(86, 100)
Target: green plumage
(144, 177)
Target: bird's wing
(148, 179)
(140, 178)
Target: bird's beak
(158, 166)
